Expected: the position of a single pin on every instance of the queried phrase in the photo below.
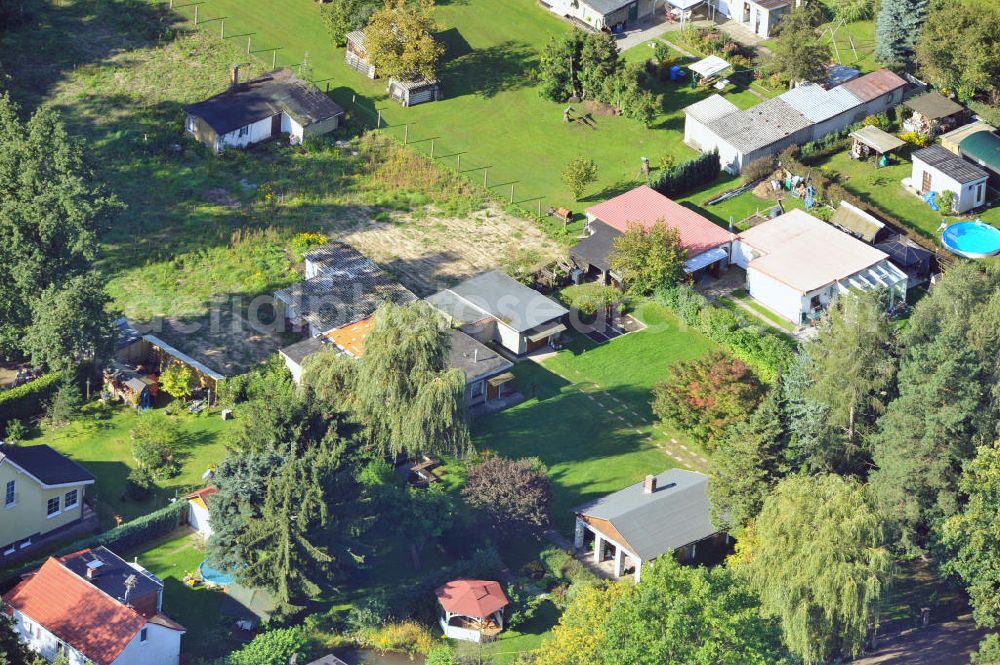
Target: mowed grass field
(491, 114)
(587, 415)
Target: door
(925, 185)
(633, 12)
(276, 125)
(492, 392)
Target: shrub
(177, 380)
(274, 647)
(407, 637)
(139, 485)
(915, 139)
(15, 432)
(946, 200)
(880, 120)
(26, 401)
(578, 174)
(513, 495)
(522, 606)
(303, 242)
(442, 654)
(758, 169)
(64, 405)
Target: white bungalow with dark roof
(610, 15)
(257, 110)
(494, 307)
(938, 170)
(662, 514)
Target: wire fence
(511, 194)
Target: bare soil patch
(429, 253)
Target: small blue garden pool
(973, 240)
(212, 576)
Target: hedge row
(765, 351)
(121, 539)
(27, 400)
(688, 176)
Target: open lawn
(588, 416)
(102, 444)
(882, 188)
(491, 114)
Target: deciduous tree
(648, 258)
(579, 174)
(156, 439)
(800, 54)
(705, 396)
(957, 47)
(344, 16)
(399, 40)
(580, 631)
(816, 554)
(70, 323)
(513, 494)
(176, 380)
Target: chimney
(93, 567)
(649, 485)
(234, 75)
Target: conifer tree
(897, 27)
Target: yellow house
(41, 491)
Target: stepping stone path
(669, 445)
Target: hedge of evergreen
(686, 177)
(27, 400)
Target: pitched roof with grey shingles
(675, 515)
(711, 108)
(595, 249)
(605, 7)
(263, 97)
(933, 105)
(497, 295)
(947, 163)
(46, 464)
(818, 104)
(759, 126)
(348, 287)
(477, 360)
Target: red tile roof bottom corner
(647, 206)
(472, 598)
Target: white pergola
(708, 67)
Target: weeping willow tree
(817, 556)
(402, 389)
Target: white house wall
(198, 516)
(510, 338)
(965, 195)
(294, 368)
(775, 295)
(259, 131)
(162, 647)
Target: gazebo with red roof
(472, 609)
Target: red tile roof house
(707, 244)
(92, 607)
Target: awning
(705, 259)
(878, 140)
(500, 379)
(709, 66)
(544, 330)
(684, 4)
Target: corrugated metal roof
(950, 165)
(675, 515)
(818, 104)
(874, 85)
(711, 108)
(760, 126)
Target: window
(814, 302)
(71, 499)
(10, 495)
(52, 508)
(142, 635)
(244, 130)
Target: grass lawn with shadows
(104, 447)
(197, 609)
(588, 416)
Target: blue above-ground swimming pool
(973, 240)
(212, 576)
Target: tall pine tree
(897, 27)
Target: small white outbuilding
(935, 169)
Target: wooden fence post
(406, 134)
(432, 149)
(274, 57)
(378, 121)
(539, 208)
(249, 37)
(196, 14)
(459, 167)
(222, 29)
(512, 193)
(486, 177)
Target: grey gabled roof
(818, 104)
(263, 97)
(949, 164)
(495, 294)
(675, 515)
(604, 7)
(477, 360)
(759, 126)
(711, 108)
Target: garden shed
(417, 91)
(937, 170)
(932, 114)
(871, 140)
(356, 56)
(983, 148)
(858, 223)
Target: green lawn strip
(735, 208)
(881, 187)
(103, 447)
(589, 451)
(744, 298)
